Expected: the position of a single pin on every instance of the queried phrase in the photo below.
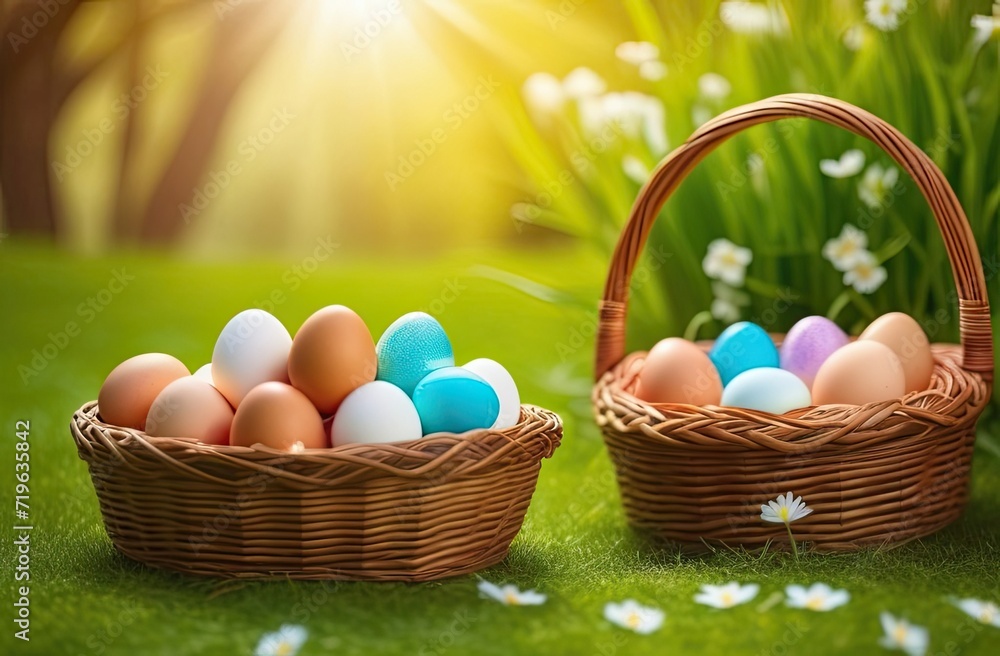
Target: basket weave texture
(436, 507)
(879, 474)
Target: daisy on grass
(876, 184)
(984, 611)
(582, 82)
(854, 37)
(652, 70)
(632, 615)
(713, 86)
(509, 595)
(785, 510)
(845, 250)
(543, 92)
(637, 52)
(753, 17)
(727, 302)
(726, 596)
(850, 163)
(286, 641)
(866, 275)
(819, 597)
(884, 14)
(727, 262)
(900, 634)
(986, 27)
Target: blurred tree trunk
(122, 226)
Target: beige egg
(279, 416)
(191, 407)
(859, 373)
(677, 371)
(131, 387)
(909, 342)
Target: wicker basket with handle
(879, 474)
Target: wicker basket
(880, 474)
(412, 511)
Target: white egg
(251, 349)
(767, 389)
(375, 412)
(205, 373)
(503, 384)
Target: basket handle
(973, 305)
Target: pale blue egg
(767, 389)
(412, 347)
(455, 400)
(740, 347)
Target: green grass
(575, 545)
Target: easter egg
(132, 386)
(279, 416)
(909, 342)
(455, 400)
(412, 347)
(740, 347)
(766, 389)
(503, 384)
(332, 355)
(375, 412)
(861, 372)
(808, 344)
(252, 349)
(677, 371)
(191, 407)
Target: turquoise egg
(412, 347)
(741, 347)
(455, 400)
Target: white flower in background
(724, 310)
(632, 615)
(583, 83)
(986, 27)
(884, 14)
(850, 163)
(727, 302)
(727, 262)
(652, 70)
(634, 113)
(509, 595)
(784, 509)
(726, 596)
(754, 17)
(543, 92)
(637, 52)
(286, 641)
(854, 37)
(713, 86)
(866, 275)
(900, 634)
(876, 183)
(635, 170)
(700, 115)
(845, 250)
(983, 611)
(819, 597)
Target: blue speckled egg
(740, 347)
(455, 400)
(412, 347)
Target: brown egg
(131, 387)
(279, 416)
(907, 339)
(191, 407)
(859, 373)
(677, 371)
(332, 355)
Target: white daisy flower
(900, 634)
(713, 86)
(986, 612)
(876, 183)
(819, 597)
(637, 52)
(726, 596)
(884, 14)
(583, 83)
(986, 27)
(635, 170)
(543, 92)
(509, 595)
(727, 302)
(637, 115)
(865, 275)
(784, 509)
(652, 70)
(854, 37)
(846, 250)
(286, 641)
(700, 115)
(850, 163)
(632, 615)
(727, 262)
(754, 17)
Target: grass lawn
(575, 545)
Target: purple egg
(808, 344)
